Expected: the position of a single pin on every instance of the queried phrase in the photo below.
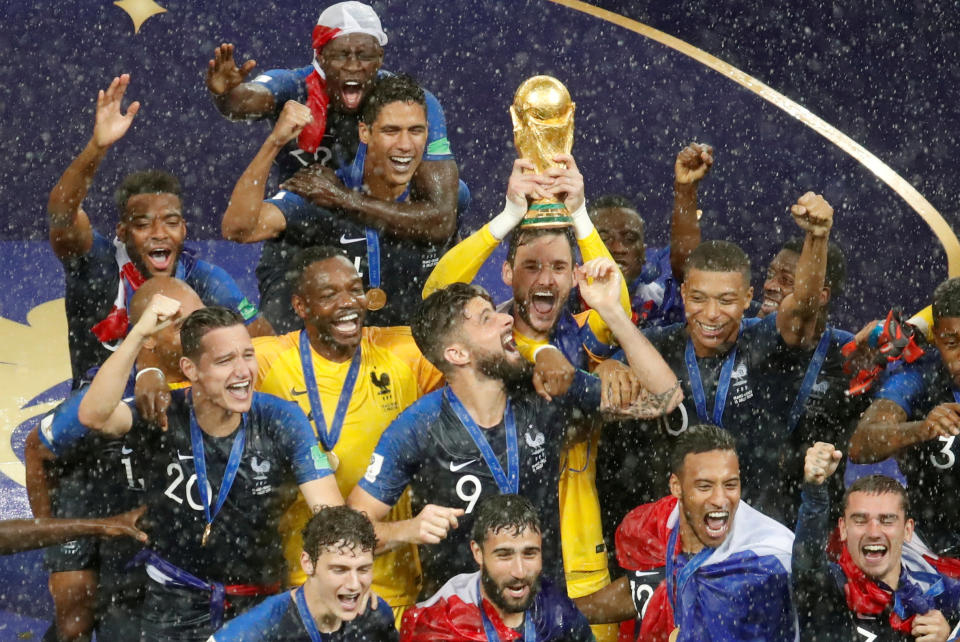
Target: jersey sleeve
(285, 84)
(438, 145)
(256, 624)
(462, 262)
(296, 439)
(398, 457)
(61, 429)
(215, 286)
(904, 388)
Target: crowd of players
(381, 451)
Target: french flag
(740, 592)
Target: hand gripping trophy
(542, 114)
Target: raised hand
(111, 123)
(552, 373)
(942, 421)
(599, 282)
(620, 387)
(125, 525)
(932, 626)
(434, 522)
(319, 185)
(567, 182)
(222, 71)
(160, 312)
(813, 214)
(821, 461)
(293, 118)
(526, 184)
(693, 162)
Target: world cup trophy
(542, 115)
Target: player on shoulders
(880, 588)
(222, 438)
(654, 275)
(352, 381)
(102, 275)
(394, 255)
(701, 560)
(337, 559)
(507, 598)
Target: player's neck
(214, 420)
(323, 617)
(374, 185)
(511, 620)
(689, 542)
(484, 398)
(327, 349)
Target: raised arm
(692, 164)
(234, 98)
(799, 315)
(810, 568)
(884, 431)
(429, 527)
(101, 408)
(70, 230)
(248, 218)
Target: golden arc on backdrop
(376, 299)
(542, 115)
(140, 11)
(674, 634)
(941, 229)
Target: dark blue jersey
(933, 477)
(655, 294)
(92, 282)
(339, 144)
(243, 548)
(277, 619)
(428, 448)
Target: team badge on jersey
(376, 463)
(385, 396)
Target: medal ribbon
(674, 587)
(329, 440)
(373, 257)
(308, 623)
(508, 483)
(529, 630)
(696, 384)
(809, 379)
(200, 465)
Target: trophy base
(546, 215)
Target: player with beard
(507, 597)
(393, 129)
(654, 275)
(102, 275)
(701, 564)
(337, 560)
(222, 435)
(359, 379)
(487, 432)
(71, 472)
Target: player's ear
(121, 231)
(825, 296)
(477, 553)
(189, 368)
(675, 488)
(364, 132)
(842, 527)
(749, 298)
(306, 563)
(908, 530)
(299, 306)
(506, 273)
(457, 354)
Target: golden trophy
(542, 115)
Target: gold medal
(376, 298)
(206, 534)
(674, 634)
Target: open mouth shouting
(349, 601)
(240, 390)
(771, 301)
(714, 331)
(351, 94)
(159, 260)
(509, 344)
(347, 323)
(717, 523)
(516, 593)
(874, 553)
(401, 164)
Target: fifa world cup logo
(542, 114)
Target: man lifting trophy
(542, 114)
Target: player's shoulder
(393, 343)
(273, 412)
(262, 622)
(269, 348)
(421, 414)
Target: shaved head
(167, 286)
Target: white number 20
(189, 489)
(473, 496)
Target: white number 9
(947, 451)
(471, 498)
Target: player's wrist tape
(543, 347)
(506, 220)
(146, 370)
(582, 225)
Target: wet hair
(878, 485)
(439, 316)
(202, 321)
(520, 236)
(153, 181)
(304, 259)
(718, 256)
(339, 527)
(399, 88)
(946, 300)
(496, 513)
(700, 438)
(836, 273)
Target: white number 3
(947, 452)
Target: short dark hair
(438, 316)
(608, 201)
(700, 438)
(878, 485)
(307, 257)
(391, 89)
(153, 181)
(339, 526)
(202, 321)
(718, 256)
(504, 512)
(523, 236)
(946, 299)
(836, 273)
